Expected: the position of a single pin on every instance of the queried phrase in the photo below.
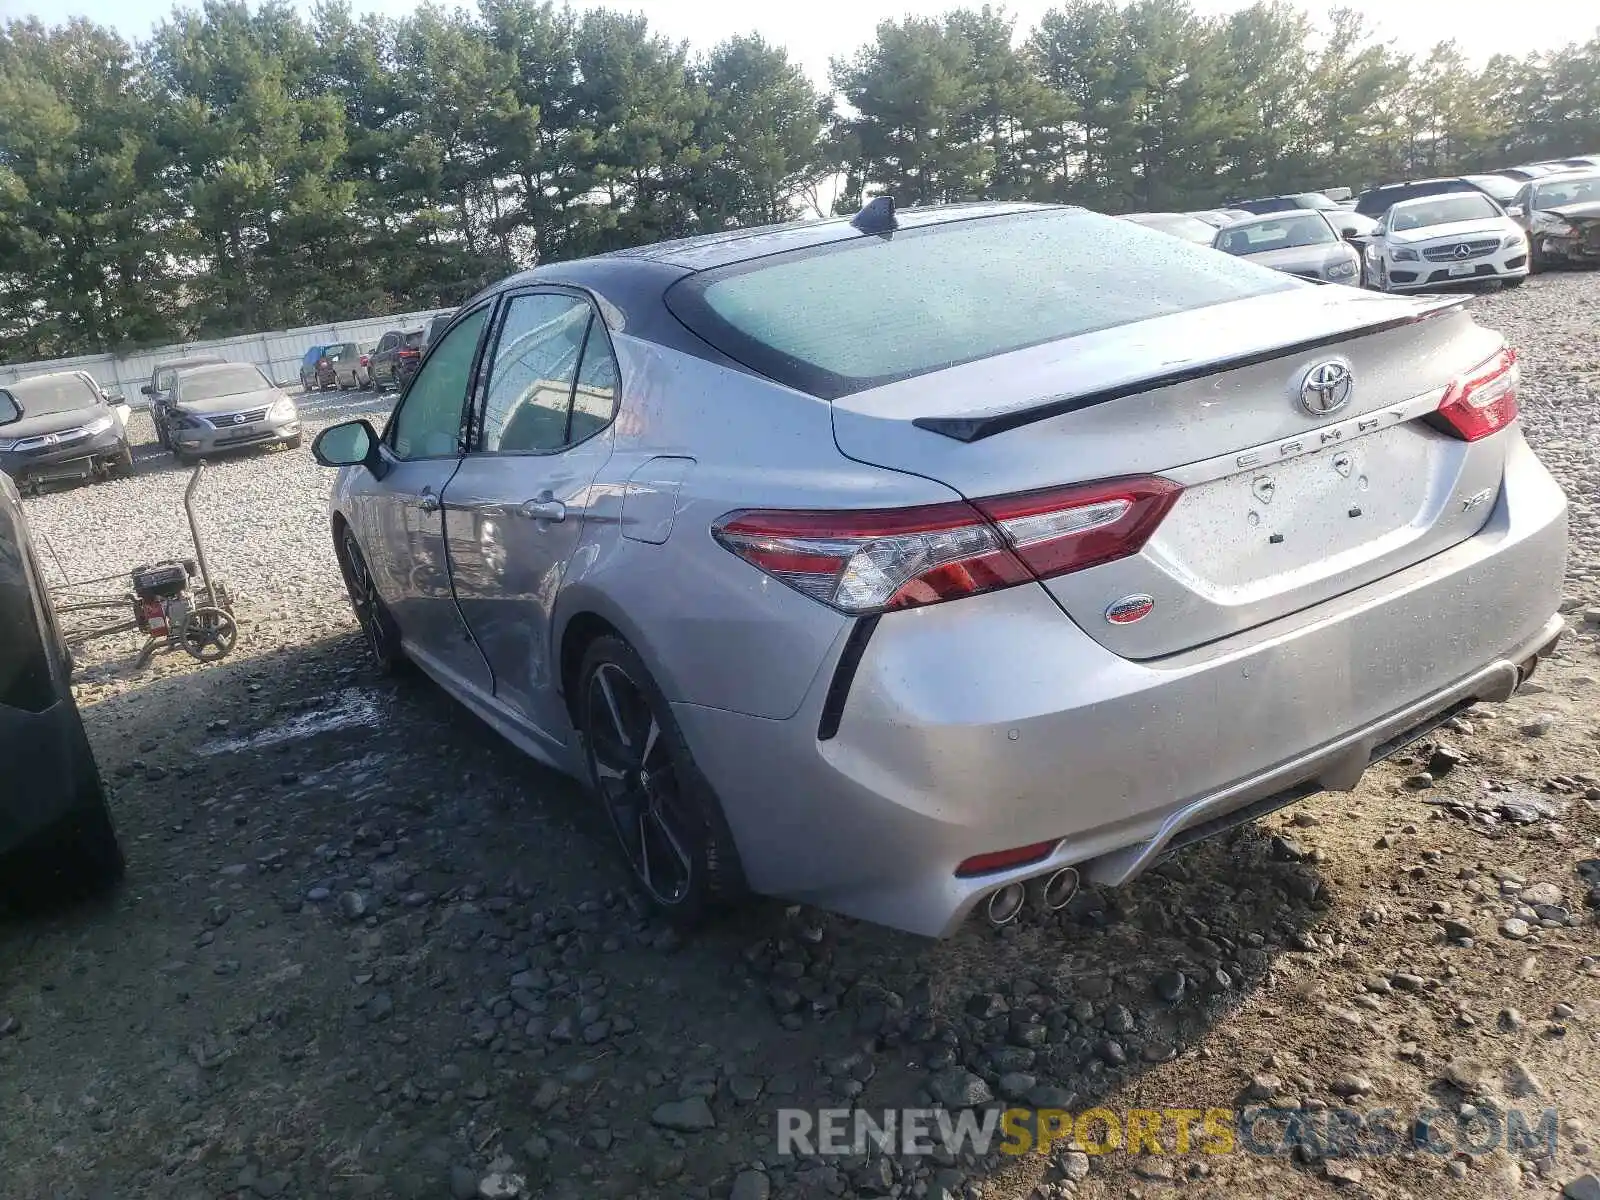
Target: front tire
(667, 821)
(1514, 282)
(382, 634)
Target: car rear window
(414, 338)
(52, 394)
(855, 314)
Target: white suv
(1456, 237)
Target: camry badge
(1325, 388)
(1130, 609)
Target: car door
(514, 511)
(401, 515)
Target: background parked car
(230, 407)
(1528, 171)
(1498, 186)
(56, 836)
(1300, 242)
(1179, 225)
(1561, 214)
(62, 427)
(435, 327)
(1376, 201)
(350, 364)
(159, 389)
(316, 372)
(1431, 241)
(1218, 217)
(394, 361)
(1267, 204)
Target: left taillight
(1483, 400)
(878, 560)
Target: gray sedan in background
(1299, 241)
(910, 575)
(229, 407)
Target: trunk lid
(1282, 508)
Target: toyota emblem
(1463, 250)
(1326, 388)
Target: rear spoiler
(978, 426)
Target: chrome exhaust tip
(1005, 903)
(1055, 891)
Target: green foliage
(256, 166)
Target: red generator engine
(161, 598)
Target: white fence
(278, 353)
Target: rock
(1341, 1172)
(1456, 928)
(1262, 1087)
(380, 1008)
(1420, 782)
(1074, 1166)
(1169, 986)
(751, 1185)
(1016, 1085)
(957, 1087)
(1541, 893)
(692, 1115)
(1286, 849)
(1352, 1085)
(536, 1148)
(1119, 1019)
(1111, 1053)
(1538, 726)
(8, 1025)
(353, 905)
(1465, 1074)
(1443, 760)
(1515, 928)
(1511, 1020)
(463, 1184)
(501, 1185)
(1584, 1187)
(1406, 982)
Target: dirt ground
(367, 949)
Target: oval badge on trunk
(1130, 609)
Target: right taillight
(1483, 400)
(868, 561)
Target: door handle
(545, 509)
(428, 502)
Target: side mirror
(10, 410)
(147, 390)
(1351, 235)
(349, 444)
(1514, 210)
(113, 397)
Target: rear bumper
(994, 722)
(49, 769)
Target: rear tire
(295, 442)
(666, 819)
(382, 634)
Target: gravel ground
(366, 949)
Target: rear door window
(866, 311)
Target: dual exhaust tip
(1051, 893)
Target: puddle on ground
(351, 708)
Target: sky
(815, 30)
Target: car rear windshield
(850, 315)
(1283, 231)
(224, 381)
(414, 338)
(52, 394)
(1380, 200)
(1443, 211)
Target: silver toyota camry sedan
(934, 561)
